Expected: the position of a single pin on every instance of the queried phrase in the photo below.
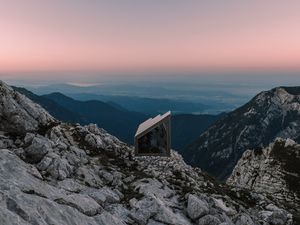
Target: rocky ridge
(270, 114)
(274, 170)
(18, 115)
(58, 173)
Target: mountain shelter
(153, 137)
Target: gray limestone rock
(196, 207)
(38, 148)
(209, 220)
(20, 115)
(83, 203)
(244, 219)
(272, 170)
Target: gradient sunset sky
(142, 35)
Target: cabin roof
(151, 122)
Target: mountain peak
(283, 94)
(291, 90)
(270, 114)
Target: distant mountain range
(270, 114)
(151, 98)
(146, 105)
(116, 119)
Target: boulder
(38, 148)
(209, 220)
(83, 203)
(196, 207)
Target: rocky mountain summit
(63, 174)
(274, 170)
(270, 114)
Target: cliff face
(271, 114)
(68, 174)
(274, 170)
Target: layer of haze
(135, 35)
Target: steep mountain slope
(274, 170)
(271, 114)
(78, 175)
(185, 128)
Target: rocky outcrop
(274, 170)
(270, 114)
(19, 115)
(70, 174)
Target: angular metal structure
(153, 137)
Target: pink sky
(130, 35)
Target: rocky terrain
(270, 114)
(57, 173)
(274, 170)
